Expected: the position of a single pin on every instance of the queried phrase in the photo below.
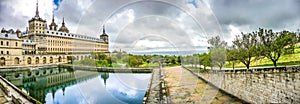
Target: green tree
(246, 48)
(71, 59)
(192, 60)
(101, 56)
(204, 59)
(173, 60)
(133, 62)
(88, 62)
(179, 60)
(103, 63)
(217, 49)
(231, 56)
(273, 45)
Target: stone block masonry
(263, 85)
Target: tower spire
(104, 36)
(52, 17)
(63, 28)
(63, 22)
(37, 9)
(103, 29)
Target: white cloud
(84, 4)
(16, 13)
(28, 7)
(234, 30)
(120, 20)
(151, 44)
(199, 41)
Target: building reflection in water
(57, 85)
(37, 83)
(104, 76)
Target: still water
(62, 86)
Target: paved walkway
(184, 87)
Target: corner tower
(104, 36)
(37, 25)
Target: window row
(72, 35)
(7, 43)
(3, 52)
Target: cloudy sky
(157, 25)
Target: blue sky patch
(57, 3)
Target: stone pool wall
(263, 85)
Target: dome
(63, 28)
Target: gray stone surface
(153, 92)
(264, 85)
(12, 92)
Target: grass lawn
(284, 60)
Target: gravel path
(184, 87)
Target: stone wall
(265, 85)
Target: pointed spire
(63, 89)
(104, 36)
(37, 9)
(103, 29)
(52, 17)
(53, 25)
(63, 22)
(53, 94)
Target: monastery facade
(42, 44)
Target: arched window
(2, 61)
(17, 61)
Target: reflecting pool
(62, 86)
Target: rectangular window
(1, 42)
(7, 43)
(1, 52)
(7, 52)
(16, 43)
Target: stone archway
(17, 61)
(51, 59)
(2, 61)
(44, 60)
(29, 60)
(59, 59)
(37, 60)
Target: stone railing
(17, 93)
(262, 85)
